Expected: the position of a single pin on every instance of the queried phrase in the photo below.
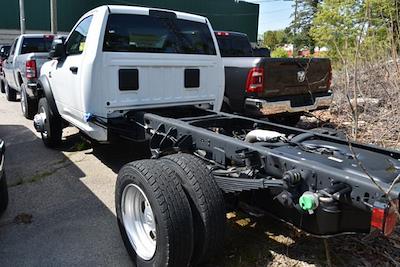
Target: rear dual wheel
(154, 215)
(206, 201)
(170, 211)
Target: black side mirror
(57, 50)
(4, 55)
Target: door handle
(74, 70)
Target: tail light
(31, 71)
(255, 81)
(384, 217)
(223, 33)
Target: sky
(274, 14)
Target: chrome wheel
(139, 221)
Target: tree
(354, 27)
(359, 33)
(279, 52)
(273, 39)
(299, 29)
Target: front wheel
(28, 106)
(154, 215)
(52, 124)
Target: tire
(11, 94)
(51, 137)
(170, 208)
(29, 106)
(3, 194)
(2, 86)
(207, 203)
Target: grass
(266, 242)
(38, 176)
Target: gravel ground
(61, 212)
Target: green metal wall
(223, 14)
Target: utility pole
(22, 16)
(296, 23)
(53, 15)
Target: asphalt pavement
(61, 210)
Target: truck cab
(118, 59)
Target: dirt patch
(267, 242)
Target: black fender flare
(44, 90)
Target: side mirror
(4, 55)
(57, 50)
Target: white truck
(157, 75)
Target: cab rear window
(36, 44)
(234, 46)
(151, 34)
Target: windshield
(150, 34)
(36, 44)
(234, 46)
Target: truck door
(66, 77)
(9, 65)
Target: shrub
(279, 52)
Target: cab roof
(120, 9)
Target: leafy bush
(279, 52)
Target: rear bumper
(267, 107)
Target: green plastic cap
(308, 202)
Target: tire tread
(208, 200)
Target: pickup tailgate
(154, 61)
(138, 80)
(39, 58)
(293, 76)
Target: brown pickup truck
(279, 88)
